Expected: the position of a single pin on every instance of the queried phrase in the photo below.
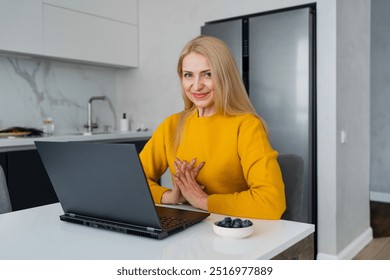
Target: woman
(217, 148)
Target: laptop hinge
(72, 215)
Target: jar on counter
(48, 126)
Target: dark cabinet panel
(28, 183)
(3, 162)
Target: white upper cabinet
(120, 10)
(79, 36)
(21, 26)
(96, 31)
(91, 31)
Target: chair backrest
(292, 169)
(5, 203)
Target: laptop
(103, 185)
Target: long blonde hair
(231, 97)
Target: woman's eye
(207, 74)
(187, 75)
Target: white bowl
(233, 233)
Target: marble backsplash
(32, 89)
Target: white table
(38, 233)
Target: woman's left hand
(185, 180)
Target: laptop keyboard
(171, 222)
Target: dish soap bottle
(124, 124)
(48, 126)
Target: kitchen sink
(95, 133)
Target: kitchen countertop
(27, 143)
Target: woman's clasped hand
(185, 181)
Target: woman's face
(198, 83)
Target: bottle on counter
(48, 126)
(124, 123)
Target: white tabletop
(38, 233)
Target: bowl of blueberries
(233, 228)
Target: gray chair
(291, 166)
(5, 203)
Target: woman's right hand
(173, 196)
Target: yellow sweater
(241, 174)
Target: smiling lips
(200, 95)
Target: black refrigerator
(275, 52)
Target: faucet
(90, 125)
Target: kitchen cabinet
(27, 180)
(89, 31)
(89, 34)
(120, 10)
(3, 162)
(21, 26)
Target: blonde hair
(231, 97)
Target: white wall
(353, 117)
(151, 92)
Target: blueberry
(220, 223)
(227, 225)
(246, 223)
(237, 223)
(227, 220)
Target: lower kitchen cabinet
(3, 162)
(28, 183)
(27, 180)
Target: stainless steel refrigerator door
(280, 82)
(231, 33)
